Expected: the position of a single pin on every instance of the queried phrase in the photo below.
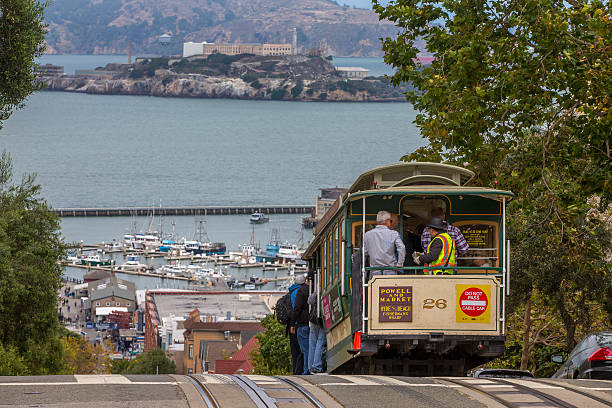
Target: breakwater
(194, 210)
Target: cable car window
(482, 238)
(336, 253)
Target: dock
(193, 210)
(128, 272)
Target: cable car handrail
(498, 269)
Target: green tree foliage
(151, 362)
(11, 362)
(504, 66)
(83, 357)
(30, 245)
(22, 33)
(273, 356)
(519, 92)
(297, 89)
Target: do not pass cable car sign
(473, 303)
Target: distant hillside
(107, 26)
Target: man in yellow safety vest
(440, 251)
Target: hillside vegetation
(107, 26)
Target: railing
(416, 269)
(421, 270)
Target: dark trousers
(297, 358)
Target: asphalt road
(331, 391)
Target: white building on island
(353, 72)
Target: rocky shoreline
(196, 86)
(295, 78)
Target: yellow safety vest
(447, 254)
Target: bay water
(111, 151)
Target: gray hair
(382, 217)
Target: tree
(83, 357)
(11, 362)
(22, 33)
(519, 93)
(152, 362)
(30, 245)
(273, 356)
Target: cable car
(412, 322)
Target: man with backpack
(299, 318)
(283, 311)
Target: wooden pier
(198, 210)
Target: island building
(324, 202)
(205, 49)
(49, 70)
(353, 72)
(97, 73)
(199, 328)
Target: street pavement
(332, 391)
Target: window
(190, 371)
(97, 303)
(107, 303)
(336, 252)
(191, 351)
(117, 304)
(127, 304)
(324, 265)
(330, 256)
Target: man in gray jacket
(383, 245)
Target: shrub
(297, 89)
(278, 94)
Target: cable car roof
(410, 173)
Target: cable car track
(262, 399)
(583, 393)
(545, 398)
(207, 396)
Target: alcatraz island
(240, 76)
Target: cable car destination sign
(395, 304)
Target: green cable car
(412, 322)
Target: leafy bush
(152, 362)
(256, 84)
(297, 89)
(251, 77)
(273, 356)
(278, 94)
(323, 96)
(11, 362)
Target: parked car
(501, 373)
(591, 358)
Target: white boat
(141, 241)
(287, 251)
(259, 218)
(132, 264)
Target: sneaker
(315, 371)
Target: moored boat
(96, 260)
(259, 218)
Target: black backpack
(283, 309)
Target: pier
(197, 210)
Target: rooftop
(214, 304)
(360, 69)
